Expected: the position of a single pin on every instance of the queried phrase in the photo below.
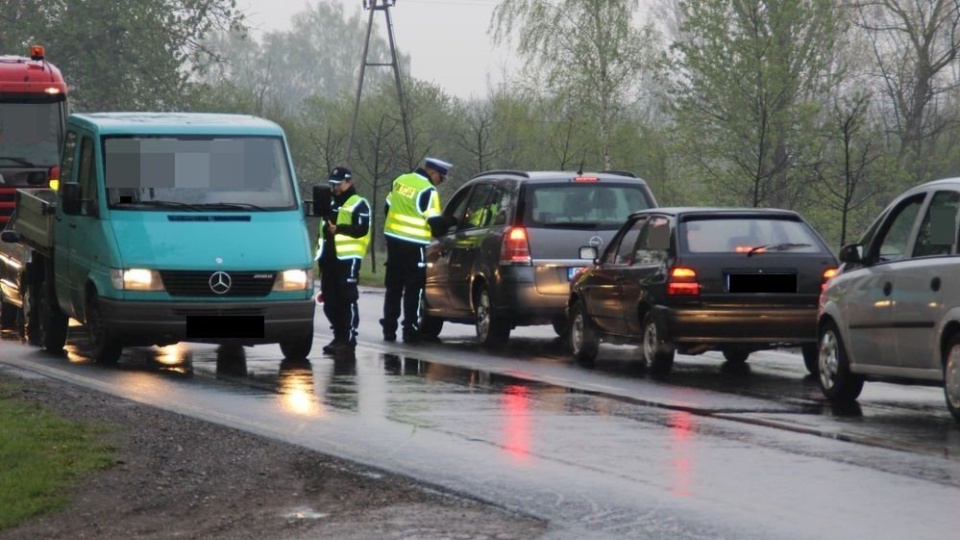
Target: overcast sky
(446, 39)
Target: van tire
(581, 336)
(833, 368)
(8, 315)
(104, 347)
(297, 349)
(492, 331)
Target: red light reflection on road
(516, 404)
(681, 463)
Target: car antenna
(580, 170)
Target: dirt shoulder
(177, 477)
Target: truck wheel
(297, 349)
(53, 322)
(104, 347)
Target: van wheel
(492, 331)
(736, 355)
(657, 353)
(297, 349)
(833, 368)
(582, 337)
(951, 377)
(561, 326)
(53, 322)
(811, 357)
(104, 347)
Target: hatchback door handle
(887, 288)
(935, 284)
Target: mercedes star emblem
(220, 282)
(596, 241)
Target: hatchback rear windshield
(741, 234)
(583, 206)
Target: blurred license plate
(572, 271)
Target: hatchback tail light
(827, 276)
(683, 281)
(516, 247)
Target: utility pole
(384, 6)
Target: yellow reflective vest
(405, 221)
(347, 247)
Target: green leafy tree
(590, 54)
(749, 75)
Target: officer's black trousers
(338, 283)
(406, 275)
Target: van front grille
(212, 283)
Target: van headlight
(136, 279)
(294, 280)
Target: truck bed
(35, 214)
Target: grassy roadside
(41, 455)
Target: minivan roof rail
(504, 171)
(621, 173)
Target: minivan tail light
(516, 247)
(827, 276)
(683, 282)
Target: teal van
(172, 227)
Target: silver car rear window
(586, 205)
(718, 234)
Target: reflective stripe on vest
(404, 220)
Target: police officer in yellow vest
(343, 242)
(413, 205)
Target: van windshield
(580, 206)
(197, 173)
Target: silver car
(892, 313)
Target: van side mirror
(589, 253)
(70, 198)
(851, 253)
(322, 197)
(10, 237)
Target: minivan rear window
(583, 205)
(743, 234)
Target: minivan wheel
(951, 377)
(582, 337)
(656, 352)
(104, 348)
(833, 367)
(492, 331)
(430, 326)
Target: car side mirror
(70, 198)
(589, 253)
(852, 253)
(10, 237)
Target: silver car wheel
(483, 316)
(829, 359)
(951, 377)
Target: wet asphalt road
(709, 452)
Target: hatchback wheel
(833, 367)
(492, 331)
(951, 377)
(582, 337)
(656, 352)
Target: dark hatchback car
(691, 280)
(509, 260)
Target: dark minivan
(509, 260)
